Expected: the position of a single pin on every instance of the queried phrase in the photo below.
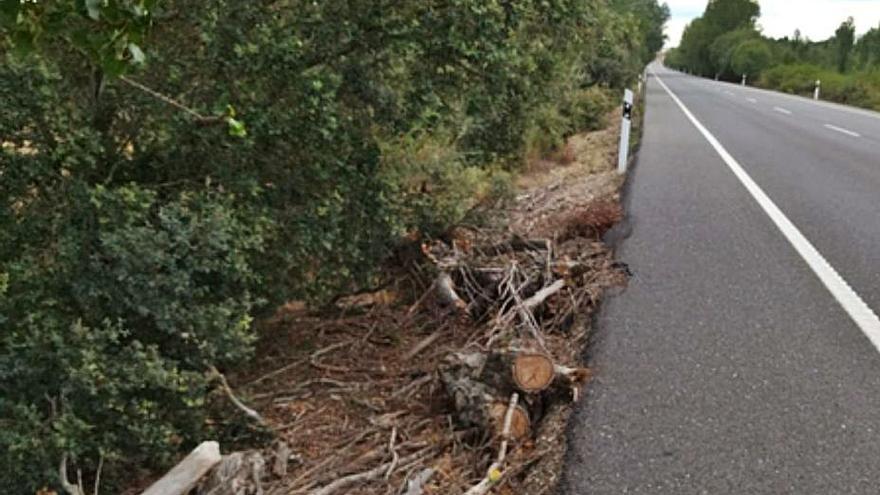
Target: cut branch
(235, 400)
(184, 476)
(446, 290)
(539, 297)
(494, 472)
(370, 475)
(202, 119)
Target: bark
(184, 476)
(239, 473)
(478, 383)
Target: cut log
(520, 425)
(532, 371)
(470, 396)
(184, 476)
(239, 473)
(477, 384)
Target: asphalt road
(727, 366)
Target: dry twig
(370, 475)
(235, 400)
(494, 472)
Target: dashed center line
(751, 100)
(862, 314)
(782, 110)
(842, 130)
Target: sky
(817, 19)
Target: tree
(729, 15)
(719, 18)
(651, 18)
(844, 38)
(694, 48)
(750, 58)
(723, 49)
(109, 34)
(867, 49)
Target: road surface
(738, 361)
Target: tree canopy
(725, 43)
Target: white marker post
(744, 80)
(625, 127)
(817, 91)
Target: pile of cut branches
(528, 301)
(466, 390)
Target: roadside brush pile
(457, 379)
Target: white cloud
(817, 19)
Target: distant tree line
(172, 170)
(725, 43)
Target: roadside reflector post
(818, 89)
(744, 79)
(625, 127)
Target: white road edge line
(863, 316)
(782, 110)
(842, 130)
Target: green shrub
(432, 185)
(111, 324)
(589, 107)
(750, 58)
(858, 89)
(796, 79)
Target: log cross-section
(533, 371)
(520, 423)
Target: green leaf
(236, 128)
(137, 55)
(93, 7)
(113, 66)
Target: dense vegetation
(725, 43)
(172, 169)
